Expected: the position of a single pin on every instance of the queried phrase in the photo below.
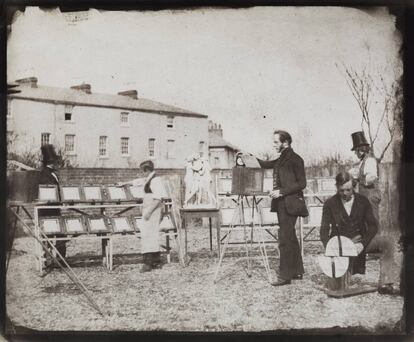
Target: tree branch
(386, 148)
(382, 119)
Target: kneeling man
(350, 214)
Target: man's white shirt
(348, 205)
(370, 171)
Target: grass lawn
(186, 299)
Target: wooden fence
(389, 176)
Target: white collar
(350, 201)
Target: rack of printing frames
(75, 212)
(98, 213)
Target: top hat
(358, 139)
(48, 154)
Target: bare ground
(186, 299)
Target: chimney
(28, 81)
(133, 94)
(215, 129)
(86, 88)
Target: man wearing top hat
(49, 176)
(367, 176)
(367, 172)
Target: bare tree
(365, 89)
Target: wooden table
(193, 213)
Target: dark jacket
(361, 222)
(290, 170)
(46, 177)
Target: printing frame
(101, 231)
(62, 230)
(101, 192)
(48, 186)
(128, 220)
(79, 187)
(83, 223)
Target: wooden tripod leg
(12, 237)
(60, 260)
(246, 244)
(262, 243)
(226, 243)
(167, 247)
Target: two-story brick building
(103, 130)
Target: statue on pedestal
(197, 183)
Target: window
(151, 147)
(170, 149)
(68, 113)
(70, 143)
(124, 119)
(45, 138)
(170, 122)
(216, 161)
(9, 113)
(201, 148)
(125, 146)
(102, 145)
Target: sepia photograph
(205, 169)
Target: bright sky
(252, 70)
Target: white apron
(150, 229)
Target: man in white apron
(154, 191)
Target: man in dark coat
(289, 180)
(48, 176)
(349, 214)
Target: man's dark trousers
(291, 262)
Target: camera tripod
(238, 223)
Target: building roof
(217, 141)
(78, 97)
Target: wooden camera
(247, 178)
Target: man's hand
(359, 247)
(356, 238)
(244, 153)
(275, 194)
(354, 172)
(370, 179)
